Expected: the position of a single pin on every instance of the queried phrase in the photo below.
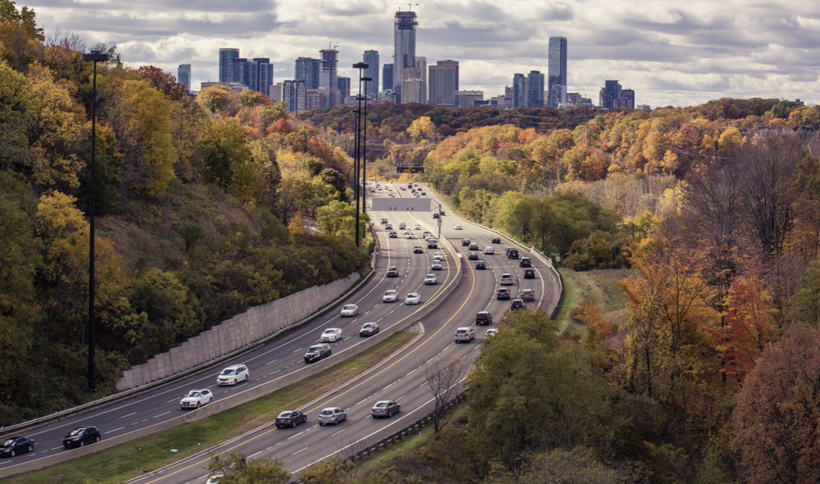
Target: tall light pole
(95, 56)
(364, 143)
(356, 142)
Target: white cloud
(670, 52)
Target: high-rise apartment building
(307, 71)
(226, 60)
(443, 81)
(371, 58)
(519, 91)
(469, 99)
(344, 87)
(417, 76)
(294, 95)
(184, 76)
(535, 90)
(557, 80)
(261, 75)
(387, 77)
(404, 44)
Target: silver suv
(465, 334)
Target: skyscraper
(344, 86)
(535, 90)
(294, 95)
(519, 91)
(327, 70)
(443, 83)
(610, 94)
(371, 58)
(226, 59)
(557, 84)
(387, 77)
(184, 76)
(241, 72)
(307, 70)
(404, 44)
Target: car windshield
(227, 371)
(194, 394)
(326, 412)
(314, 349)
(285, 415)
(348, 307)
(9, 442)
(76, 432)
(381, 404)
(329, 331)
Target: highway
(400, 377)
(267, 362)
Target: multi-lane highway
(400, 377)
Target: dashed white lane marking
(124, 416)
(296, 435)
(300, 349)
(273, 361)
(337, 432)
(161, 415)
(254, 454)
(300, 450)
(115, 430)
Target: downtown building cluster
(408, 79)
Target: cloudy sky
(672, 52)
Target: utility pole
(357, 141)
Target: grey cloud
(556, 13)
(358, 8)
(161, 5)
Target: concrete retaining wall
(238, 332)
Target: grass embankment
(129, 460)
(598, 286)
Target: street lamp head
(367, 79)
(95, 56)
(360, 65)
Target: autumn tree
(20, 37)
(142, 127)
(422, 129)
(225, 146)
(14, 118)
(777, 412)
(235, 468)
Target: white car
(332, 415)
(349, 310)
(490, 332)
(412, 298)
(390, 296)
(438, 256)
(233, 375)
(410, 235)
(430, 280)
(457, 227)
(464, 334)
(214, 479)
(331, 334)
(489, 250)
(436, 266)
(417, 227)
(196, 399)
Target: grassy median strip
(130, 460)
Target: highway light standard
(356, 142)
(95, 56)
(364, 143)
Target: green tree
(337, 219)
(524, 371)
(334, 470)
(15, 103)
(559, 466)
(236, 469)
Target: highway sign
(409, 169)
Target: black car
(465, 242)
(483, 318)
(496, 240)
(16, 445)
(525, 262)
(290, 418)
(317, 352)
(502, 294)
(480, 265)
(529, 274)
(369, 329)
(473, 246)
(472, 256)
(81, 436)
(392, 272)
(393, 235)
(527, 295)
(517, 304)
(512, 253)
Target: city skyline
(669, 54)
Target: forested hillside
(205, 207)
